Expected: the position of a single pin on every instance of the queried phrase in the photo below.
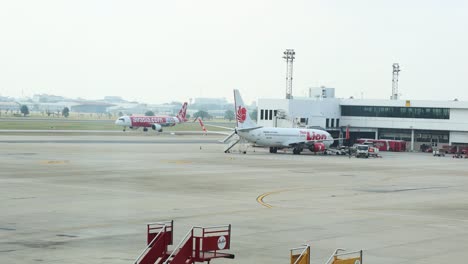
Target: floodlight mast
(396, 70)
(289, 56)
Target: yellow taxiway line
(260, 199)
(262, 196)
(267, 205)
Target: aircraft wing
(205, 131)
(248, 129)
(196, 133)
(232, 128)
(223, 127)
(203, 125)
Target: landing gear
(297, 150)
(124, 129)
(273, 150)
(145, 129)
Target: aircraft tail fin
(241, 112)
(202, 125)
(182, 113)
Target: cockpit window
(121, 119)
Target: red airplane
(154, 122)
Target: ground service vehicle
(438, 153)
(447, 149)
(362, 151)
(340, 151)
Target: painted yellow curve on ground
(262, 196)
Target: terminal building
(434, 123)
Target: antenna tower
(289, 57)
(396, 70)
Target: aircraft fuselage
(285, 137)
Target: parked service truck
(362, 151)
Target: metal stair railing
(163, 229)
(207, 233)
(336, 254)
(305, 250)
(231, 144)
(198, 247)
(187, 236)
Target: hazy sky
(159, 51)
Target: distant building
(47, 98)
(128, 108)
(217, 113)
(321, 92)
(417, 122)
(114, 99)
(210, 101)
(167, 109)
(9, 106)
(214, 106)
(51, 107)
(6, 99)
(90, 107)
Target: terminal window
(397, 112)
(327, 122)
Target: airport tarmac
(73, 199)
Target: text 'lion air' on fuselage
(154, 122)
(277, 137)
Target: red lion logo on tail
(241, 114)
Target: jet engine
(157, 127)
(317, 147)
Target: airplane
(155, 122)
(276, 138)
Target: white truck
(362, 151)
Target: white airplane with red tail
(276, 137)
(154, 122)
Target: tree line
(228, 114)
(24, 109)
